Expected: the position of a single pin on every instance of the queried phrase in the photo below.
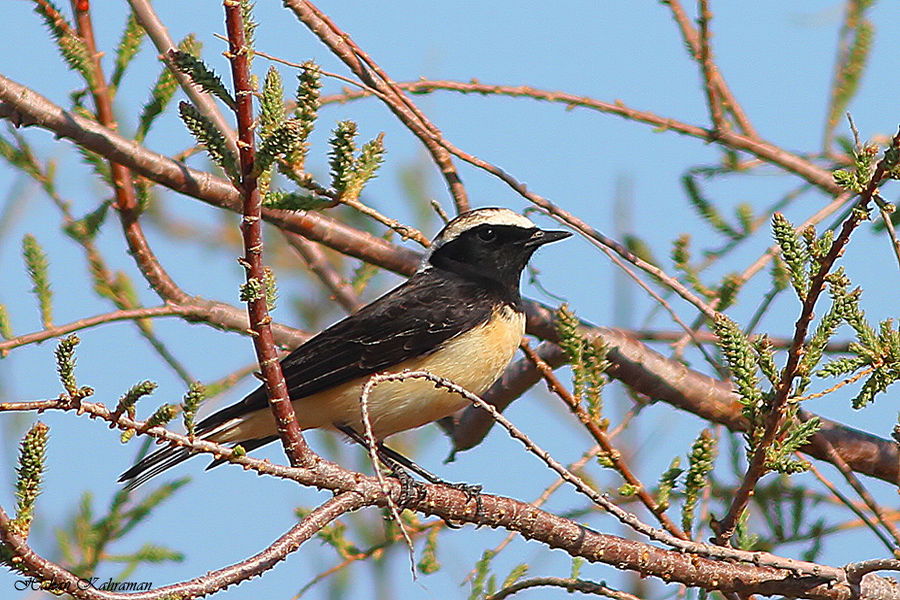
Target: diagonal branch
(343, 46)
(210, 583)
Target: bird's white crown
(481, 216)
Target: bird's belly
(473, 360)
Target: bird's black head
(489, 245)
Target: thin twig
(708, 69)
(757, 467)
(204, 102)
(570, 585)
(211, 582)
(692, 40)
(845, 501)
(318, 263)
(343, 46)
(602, 438)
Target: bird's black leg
(396, 462)
(410, 489)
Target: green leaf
(210, 138)
(272, 104)
(793, 252)
(700, 464)
(202, 76)
(30, 474)
(282, 200)
(163, 90)
(71, 47)
(128, 47)
(36, 263)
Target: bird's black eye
(488, 234)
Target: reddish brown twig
(298, 452)
(709, 71)
(318, 263)
(692, 41)
(763, 150)
(343, 46)
(214, 581)
(570, 585)
(600, 436)
(757, 467)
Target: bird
(460, 316)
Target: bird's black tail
(153, 464)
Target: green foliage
(517, 573)
(825, 329)
(71, 47)
(483, 583)
(429, 563)
(162, 415)
(202, 76)
(271, 285)
(29, 476)
(129, 399)
(86, 228)
(705, 209)
(588, 360)
(796, 434)
(271, 113)
(740, 357)
(210, 138)
(281, 142)
(793, 252)
(191, 402)
(667, 483)
(878, 352)
(855, 45)
(728, 290)
(251, 290)
(85, 540)
(36, 263)
(627, 489)
(350, 173)
(129, 44)
(342, 155)
(282, 200)
(65, 366)
(309, 85)
(765, 358)
(5, 325)
(250, 25)
(744, 538)
(700, 464)
(681, 257)
(163, 90)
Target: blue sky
(776, 56)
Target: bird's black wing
(412, 320)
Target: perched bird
(459, 317)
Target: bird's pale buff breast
(474, 360)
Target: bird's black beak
(544, 236)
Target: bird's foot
(411, 491)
